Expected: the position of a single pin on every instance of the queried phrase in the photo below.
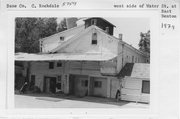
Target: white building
(84, 60)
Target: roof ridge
(61, 32)
(70, 40)
(121, 41)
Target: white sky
(129, 27)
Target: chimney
(120, 36)
(107, 30)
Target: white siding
(53, 41)
(83, 44)
(132, 90)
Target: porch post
(108, 87)
(89, 87)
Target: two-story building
(84, 60)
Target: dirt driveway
(64, 101)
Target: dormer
(101, 23)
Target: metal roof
(64, 56)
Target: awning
(64, 56)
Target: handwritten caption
(167, 12)
(44, 6)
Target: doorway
(78, 85)
(49, 85)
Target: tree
(62, 25)
(28, 31)
(144, 43)
(67, 23)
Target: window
(97, 84)
(132, 59)
(146, 87)
(93, 21)
(61, 38)
(59, 64)
(41, 45)
(94, 39)
(84, 83)
(107, 30)
(58, 84)
(147, 60)
(51, 65)
(126, 58)
(59, 79)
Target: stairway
(126, 70)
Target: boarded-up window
(59, 64)
(51, 65)
(97, 84)
(94, 38)
(146, 87)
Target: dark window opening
(61, 38)
(93, 21)
(132, 59)
(94, 38)
(58, 84)
(51, 65)
(146, 87)
(59, 64)
(97, 84)
(84, 83)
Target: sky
(129, 27)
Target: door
(71, 84)
(52, 85)
(49, 85)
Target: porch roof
(64, 56)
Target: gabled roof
(123, 42)
(141, 70)
(65, 31)
(71, 39)
(100, 30)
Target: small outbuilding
(136, 82)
